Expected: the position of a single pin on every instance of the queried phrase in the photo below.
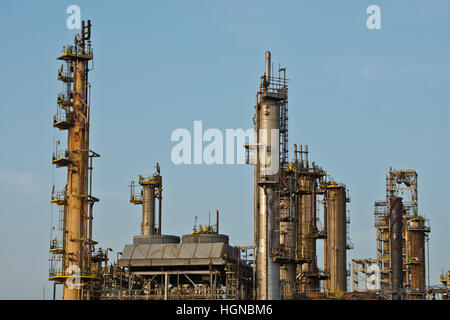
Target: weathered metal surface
(140, 252)
(155, 238)
(205, 238)
(396, 243)
(337, 239)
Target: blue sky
(363, 100)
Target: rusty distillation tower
(408, 232)
(71, 247)
(402, 239)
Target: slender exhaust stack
(267, 73)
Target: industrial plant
(296, 205)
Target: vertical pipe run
(308, 242)
(306, 156)
(295, 154)
(301, 156)
(273, 269)
(256, 199)
(287, 245)
(325, 243)
(166, 286)
(160, 211)
(217, 221)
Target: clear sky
(363, 100)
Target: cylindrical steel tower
(336, 239)
(151, 190)
(267, 158)
(148, 210)
(415, 245)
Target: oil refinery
(297, 210)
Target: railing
(56, 246)
(135, 196)
(445, 276)
(152, 180)
(60, 273)
(284, 253)
(380, 221)
(64, 99)
(70, 50)
(61, 154)
(55, 272)
(59, 196)
(65, 74)
(63, 115)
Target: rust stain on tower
(75, 245)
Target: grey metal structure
(203, 266)
(269, 99)
(286, 205)
(157, 266)
(151, 190)
(176, 254)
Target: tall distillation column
(266, 180)
(74, 115)
(336, 238)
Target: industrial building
(296, 204)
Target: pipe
(325, 247)
(301, 156)
(306, 156)
(267, 74)
(217, 221)
(160, 211)
(166, 286)
(256, 175)
(295, 154)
